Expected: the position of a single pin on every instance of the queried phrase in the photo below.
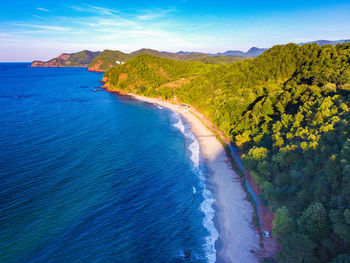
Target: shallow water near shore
(94, 177)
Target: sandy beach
(233, 213)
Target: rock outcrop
(79, 59)
(60, 61)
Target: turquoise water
(89, 176)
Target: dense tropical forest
(288, 112)
(110, 58)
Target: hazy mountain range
(255, 51)
(327, 42)
(101, 61)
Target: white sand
(233, 213)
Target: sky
(42, 29)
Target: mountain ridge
(110, 58)
(327, 42)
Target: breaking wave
(207, 204)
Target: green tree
(288, 112)
(347, 216)
(283, 224)
(344, 258)
(313, 222)
(296, 248)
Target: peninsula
(79, 59)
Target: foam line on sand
(233, 213)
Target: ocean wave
(179, 125)
(207, 204)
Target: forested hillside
(79, 59)
(288, 111)
(110, 58)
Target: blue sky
(41, 29)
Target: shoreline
(233, 212)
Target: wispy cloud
(43, 9)
(103, 10)
(72, 27)
(86, 8)
(105, 28)
(5, 35)
(45, 27)
(154, 14)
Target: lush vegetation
(189, 57)
(145, 74)
(288, 111)
(109, 58)
(82, 58)
(79, 59)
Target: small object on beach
(187, 253)
(266, 233)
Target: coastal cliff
(79, 59)
(60, 61)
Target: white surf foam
(194, 190)
(179, 125)
(159, 107)
(207, 204)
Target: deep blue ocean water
(90, 176)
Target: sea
(88, 175)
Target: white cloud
(94, 9)
(103, 10)
(45, 27)
(154, 14)
(43, 9)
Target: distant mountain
(327, 42)
(101, 61)
(184, 53)
(79, 59)
(189, 53)
(232, 53)
(253, 52)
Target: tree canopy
(288, 112)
